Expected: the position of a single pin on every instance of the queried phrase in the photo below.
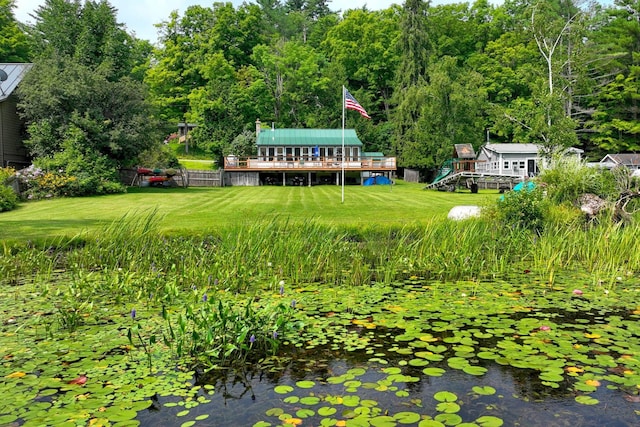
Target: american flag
(350, 103)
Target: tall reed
(131, 259)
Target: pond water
(363, 394)
(416, 353)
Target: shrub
(8, 198)
(526, 209)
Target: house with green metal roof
(306, 157)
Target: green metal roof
(308, 137)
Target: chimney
(257, 128)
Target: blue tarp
(377, 180)
(528, 185)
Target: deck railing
(313, 164)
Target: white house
(629, 160)
(513, 159)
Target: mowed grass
(198, 210)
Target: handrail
(306, 163)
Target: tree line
(554, 72)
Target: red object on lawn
(158, 178)
(144, 171)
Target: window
(521, 165)
(506, 164)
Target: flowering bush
(37, 184)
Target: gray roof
(15, 74)
(527, 148)
(627, 159)
(509, 148)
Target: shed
(12, 129)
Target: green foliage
(160, 156)
(222, 333)
(567, 178)
(87, 33)
(524, 209)
(14, 46)
(242, 145)
(8, 197)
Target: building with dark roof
(12, 128)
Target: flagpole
(343, 102)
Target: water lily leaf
(407, 417)
(326, 411)
(551, 376)
(283, 389)
(587, 400)
(383, 421)
(430, 423)
(291, 399)
(305, 384)
(351, 400)
(475, 370)
(449, 419)
(487, 355)
(262, 424)
(368, 403)
(310, 400)
(305, 413)
(489, 421)
(188, 424)
(275, 412)
(9, 418)
(445, 396)
(115, 414)
(434, 372)
(448, 407)
(484, 390)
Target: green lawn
(201, 209)
(197, 164)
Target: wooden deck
(256, 164)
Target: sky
(140, 15)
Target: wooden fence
(186, 178)
(205, 178)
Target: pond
(513, 352)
